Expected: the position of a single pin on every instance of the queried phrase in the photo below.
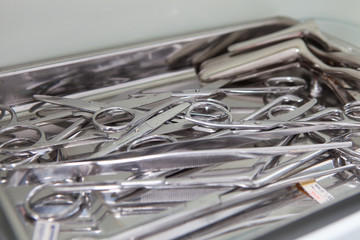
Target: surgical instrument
(307, 30)
(270, 88)
(229, 66)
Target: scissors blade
(140, 101)
(49, 118)
(179, 125)
(297, 112)
(140, 131)
(87, 106)
(92, 106)
(207, 90)
(160, 119)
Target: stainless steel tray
(107, 74)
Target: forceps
(198, 153)
(199, 50)
(205, 207)
(266, 177)
(273, 85)
(289, 51)
(80, 189)
(337, 59)
(264, 162)
(308, 30)
(271, 88)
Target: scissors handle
(8, 147)
(352, 110)
(111, 110)
(41, 192)
(225, 112)
(151, 138)
(13, 117)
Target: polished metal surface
(209, 136)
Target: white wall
(34, 30)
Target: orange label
(316, 192)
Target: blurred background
(41, 29)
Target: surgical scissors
(265, 178)
(37, 147)
(199, 153)
(273, 85)
(99, 108)
(64, 113)
(139, 117)
(141, 130)
(216, 202)
(139, 122)
(261, 125)
(182, 124)
(40, 145)
(264, 162)
(215, 87)
(145, 125)
(268, 107)
(239, 149)
(270, 124)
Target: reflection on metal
(200, 137)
